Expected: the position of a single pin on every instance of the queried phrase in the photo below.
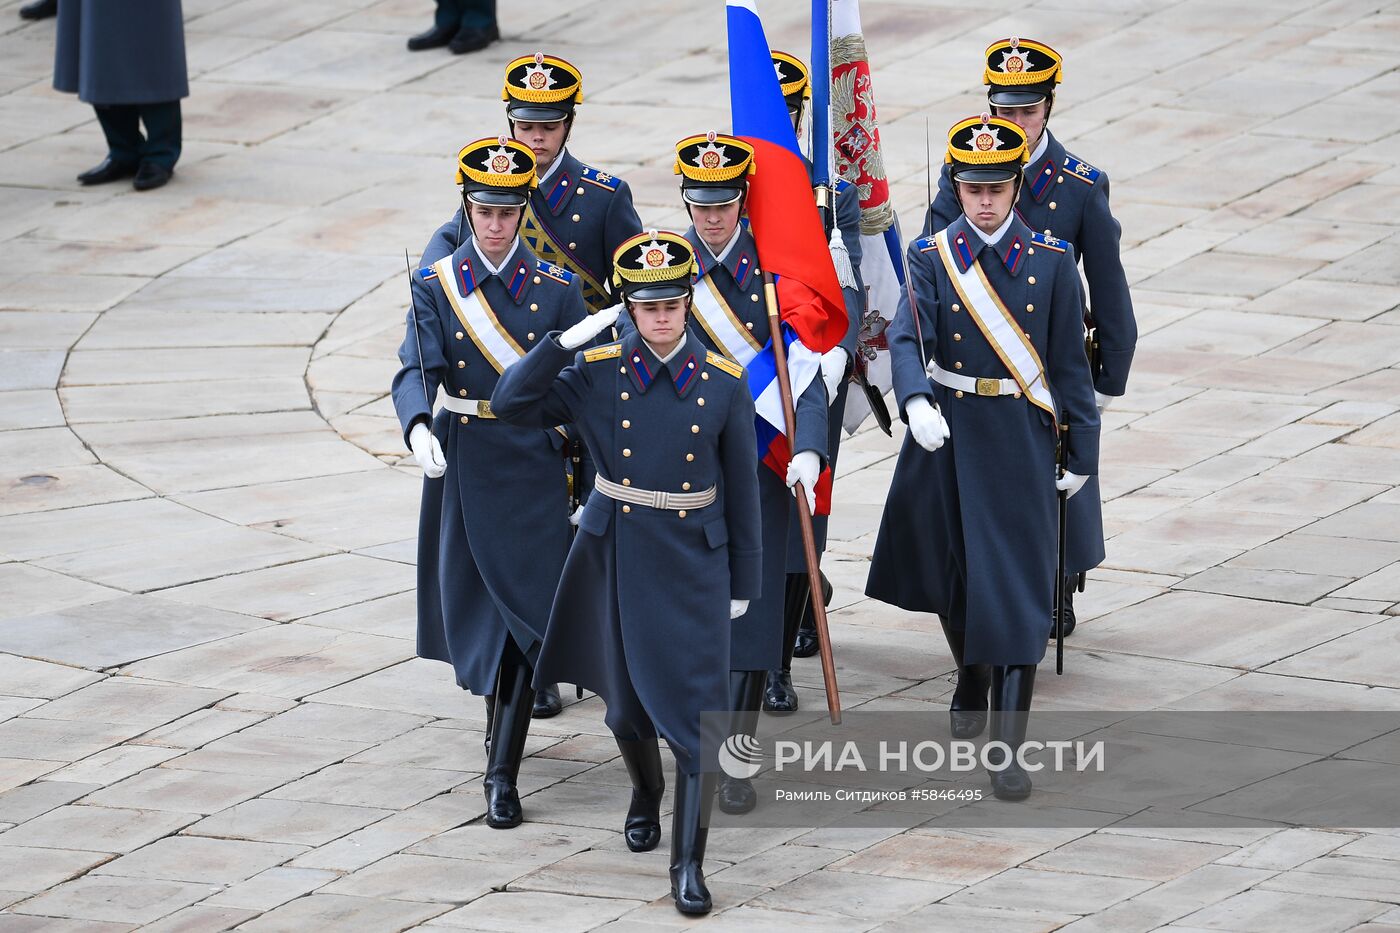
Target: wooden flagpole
(804, 515)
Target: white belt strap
(730, 335)
(469, 406)
(478, 320)
(673, 501)
(971, 384)
(998, 326)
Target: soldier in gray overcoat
(127, 59)
(1067, 198)
(494, 528)
(669, 543)
(731, 317)
(991, 364)
(576, 218)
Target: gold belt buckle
(483, 409)
(988, 386)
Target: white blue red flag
(788, 232)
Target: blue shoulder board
(1081, 170)
(841, 185)
(557, 273)
(601, 179)
(926, 244)
(427, 273)
(1049, 242)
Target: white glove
(834, 371)
(1070, 483)
(578, 513)
(805, 468)
(1103, 400)
(427, 451)
(738, 607)
(590, 327)
(926, 423)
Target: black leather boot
(967, 714)
(1072, 581)
(690, 831)
(490, 718)
(779, 696)
(1012, 686)
(736, 795)
(642, 828)
(547, 702)
(807, 645)
(514, 698)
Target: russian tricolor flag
(788, 231)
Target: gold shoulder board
(610, 352)
(724, 363)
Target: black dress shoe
(107, 171)
(547, 702)
(966, 724)
(434, 38)
(39, 9)
(150, 175)
(736, 795)
(779, 695)
(473, 40)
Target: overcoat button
(627, 508)
(625, 395)
(626, 423)
(464, 419)
(695, 429)
(689, 457)
(627, 451)
(958, 393)
(685, 487)
(681, 513)
(461, 364)
(1031, 279)
(1030, 307)
(957, 365)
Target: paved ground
(211, 714)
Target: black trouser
(465, 14)
(121, 124)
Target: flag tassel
(841, 259)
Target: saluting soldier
(576, 216)
(731, 317)
(1067, 198)
(799, 627)
(987, 354)
(668, 545)
(493, 528)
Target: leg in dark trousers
(121, 124)
(642, 757)
(511, 726)
(164, 131)
(967, 714)
(736, 795)
(476, 26)
(690, 830)
(1012, 687)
